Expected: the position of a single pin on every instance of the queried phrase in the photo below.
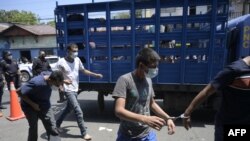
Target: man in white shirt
(70, 66)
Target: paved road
(101, 125)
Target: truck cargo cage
(183, 32)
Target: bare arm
(122, 113)
(89, 73)
(203, 95)
(159, 112)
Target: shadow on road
(93, 114)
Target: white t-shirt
(70, 71)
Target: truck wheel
(25, 76)
(101, 101)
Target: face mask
(152, 72)
(9, 57)
(74, 55)
(43, 56)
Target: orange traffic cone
(15, 108)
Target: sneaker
(59, 129)
(87, 137)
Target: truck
(193, 38)
(26, 68)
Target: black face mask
(42, 56)
(8, 57)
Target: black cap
(6, 53)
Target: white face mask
(74, 55)
(152, 72)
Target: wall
(4, 44)
(28, 43)
(32, 42)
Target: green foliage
(122, 16)
(51, 23)
(138, 13)
(15, 16)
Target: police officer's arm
(2, 73)
(159, 112)
(4, 67)
(28, 100)
(34, 65)
(203, 95)
(49, 67)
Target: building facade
(27, 40)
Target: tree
(51, 23)
(15, 16)
(121, 16)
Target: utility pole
(93, 1)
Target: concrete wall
(32, 42)
(4, 44)
(16, 53)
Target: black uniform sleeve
(34, 66)
(226, 76)
(3, 65)
(48, 66)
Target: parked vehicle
(191, 46)
(26, 69)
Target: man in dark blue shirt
(233, 82)
(35, 102)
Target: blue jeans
(72, 104)
(150, 137)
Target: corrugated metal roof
(33, 29)
(4, 26)
(39, 29)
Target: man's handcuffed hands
(171, 126)
(157, 123)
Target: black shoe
(3, 107)
(61, 101)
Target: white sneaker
(59, 129)
(87, 137)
